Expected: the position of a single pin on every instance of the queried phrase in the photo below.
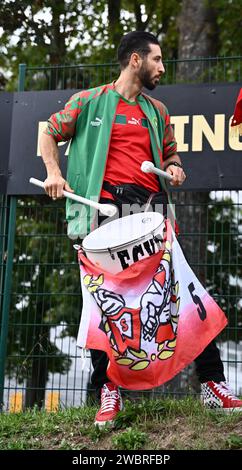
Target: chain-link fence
(42, 363)
(59, 77)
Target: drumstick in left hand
(105, 209)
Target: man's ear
(135, 59)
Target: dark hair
(135, 41)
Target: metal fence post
(2, 244)
(21, 76)
(6, 272)
(7, 293)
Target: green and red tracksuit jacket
(87, 119)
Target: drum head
(123, 231)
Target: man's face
(152, 68)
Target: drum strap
(134, 194)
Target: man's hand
(177, 174)
(54, 186)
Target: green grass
(151, 425)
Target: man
(114, 128)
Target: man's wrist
(53, 169)
(179, 165)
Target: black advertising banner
(30, 113)
(200, 115)
(6, 108)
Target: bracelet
(175, 164)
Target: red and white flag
(152, 319)
(236, 122)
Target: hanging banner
(152, 319)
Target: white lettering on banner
(201, 130)
(179, 123)
(200, 127)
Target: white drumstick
(149, 167)
(105, 209)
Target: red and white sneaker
(219, 397)
(111, 404)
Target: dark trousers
(208, 364)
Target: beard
(146, 78)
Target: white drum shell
(120, 243)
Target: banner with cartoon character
(152, 319)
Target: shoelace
(225, 391)
(108, 399)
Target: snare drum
(120, 243)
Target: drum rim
(123, 245)
(128, 242)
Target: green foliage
(183, 424)
(142, 412)
(132, 439)
(96, 434)
(234, 441)
(37, 32)
(133, 411)
(229, 26)
(46, 32)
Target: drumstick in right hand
(149, 167)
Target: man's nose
(161, 68)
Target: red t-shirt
(129, 147)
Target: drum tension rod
(157, 238)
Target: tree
(39, 32)
(198, 36)
(229, 26)
(47, 33)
